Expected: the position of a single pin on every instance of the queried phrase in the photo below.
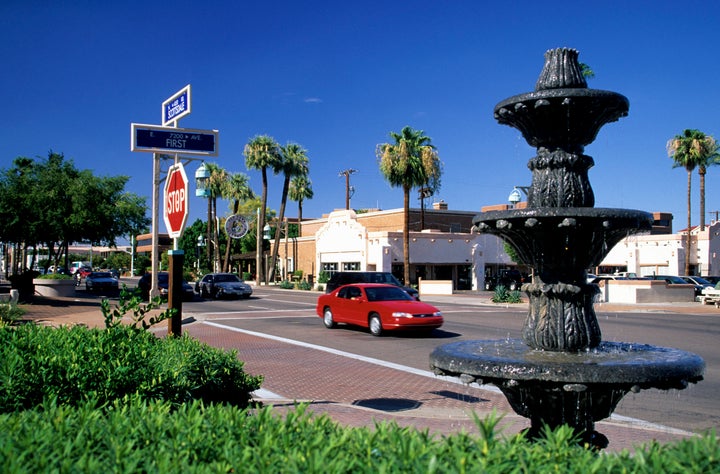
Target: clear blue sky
(337, 77)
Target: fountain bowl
(567, 388)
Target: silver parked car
(223, 285)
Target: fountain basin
(557, 117)
(554, 238)
(572, 388)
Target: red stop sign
(175, 210)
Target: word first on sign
(187, 141)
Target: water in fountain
(562, 372)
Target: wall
(644, 291)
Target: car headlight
(437, 314)
(401, 314)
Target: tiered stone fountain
(561, 372)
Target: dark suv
(345, 278)
(510, 279)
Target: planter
(54, 288)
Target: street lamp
(514, 197)
(202, 181)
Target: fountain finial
(561, 71)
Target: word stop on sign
(176, 201)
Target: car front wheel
(328, 320)
(375, 325)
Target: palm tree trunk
(208, 236)
(261, 223)
(216, 238)
(406, 235)
(300, 218)
(226, 262)
(701, 172)
(281, 216)
(687, 237)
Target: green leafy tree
(410, 161)
(693, 149)
(49, 202)
(261, 153)
(300, 189)
(294, 163)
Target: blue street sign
(155, 139)
(177, 106)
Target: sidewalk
(353, 391)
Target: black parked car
(101, 281)
(163, 282)
(345, 278)
(223, 285)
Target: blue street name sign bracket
(187, 141)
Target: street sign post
(187, 141)
(175, 211)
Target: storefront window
(330, 267)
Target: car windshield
(701, 281)
(384, 278)
(100, 275)
(675, 280)
(386, 294)
(226, 278)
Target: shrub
(287, 285)
(324, 277)
(141, 436)
(304, 285)
(503, 295)
(54, 276)
(10, 313)
(76, 364)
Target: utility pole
(347, 174)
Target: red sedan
(379, 307)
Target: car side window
(354, 292)
(343, 293)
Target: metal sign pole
(154, 288)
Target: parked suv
(510, 279)
(345, 278)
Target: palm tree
(411, 161)
(690, 150)
(711, 157)
(237, 189)
(300, 189)
(260, 153)
(216, 185)
(294, 163)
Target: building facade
(442, 246)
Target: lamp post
(200, 245)
(265, 236)
(202, 190)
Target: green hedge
(75, 364)
(140, 436)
